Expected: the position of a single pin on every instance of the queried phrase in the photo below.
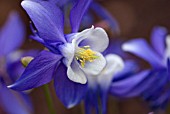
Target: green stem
(49, 99)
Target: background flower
(158, 58)
(11, 101)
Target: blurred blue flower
(71, 57)
(99, 85)
(119, 82)
(121, 85)
(11, 38)
(88, 18)
(153, 83)
(116, 78)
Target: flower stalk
(49, 99)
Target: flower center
(85, 54)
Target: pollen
(85, 54)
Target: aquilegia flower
(100, 84)
(11, 101)
(71, 57)
(153, 83)
(116, 78)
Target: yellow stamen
(85, 54)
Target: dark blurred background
(136, 18)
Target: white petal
(75, 73)
(95, 67)
(67, 50)
(96, 38)
(167, 51)
(114, 65)
(92, 82)
(14, 56)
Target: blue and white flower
(70, 58)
